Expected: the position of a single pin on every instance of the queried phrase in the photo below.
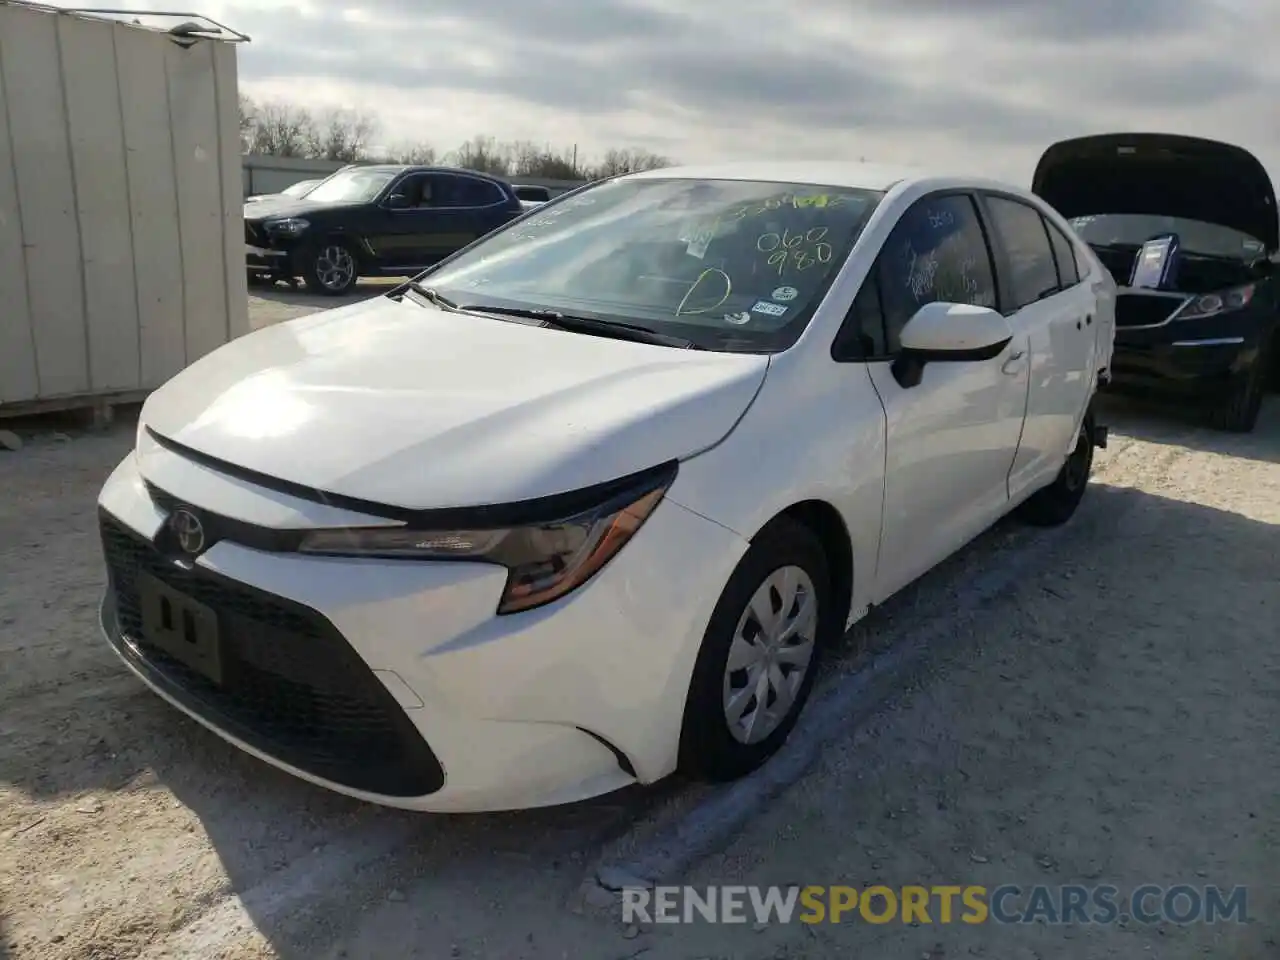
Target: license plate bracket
(181, 626)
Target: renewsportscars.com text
(937, 904)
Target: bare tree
(282, 130)
(531, 160)
(248, 117)
(484, 155)
(417, 154)
(286, 130)
(617, 162)
(342, 135)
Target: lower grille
(1145, 309)
(291, 686)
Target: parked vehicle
(1206, 335)
(369, 221)
(295, 190)
(532, 194)
(586, 502)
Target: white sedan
(584, 503)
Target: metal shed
(121, 232)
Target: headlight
(1212, 304)
(288, 227)
(544, 560)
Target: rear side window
(937, 252)
(454, 191)
(1033, 272)
(1065, 253)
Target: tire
(1057, 503)
(331, 268)
(1239, 412)
(784, 554)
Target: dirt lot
(1110, 716)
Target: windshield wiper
(430, 294)
(579, 324)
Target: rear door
(1046, 304)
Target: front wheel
(759, 655)
(1238, 413)
(331, 269)
(1057, 503)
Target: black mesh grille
(1144, 310)
(253, 235)
(292, 687)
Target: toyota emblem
(188, 530)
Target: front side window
(1033, 272)
(359, 185)
(728, 264)
(936, 253)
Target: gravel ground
(1112, 718)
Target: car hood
(1160, 174)
(410, 406)
(281, 205)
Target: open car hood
(1160, 174)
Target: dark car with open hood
(1189, 230)
(370, 221)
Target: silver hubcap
(335, 267)
(770, 654)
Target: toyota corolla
(584, 503)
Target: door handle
(1013, 365)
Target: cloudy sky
(981, 85)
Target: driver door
(952, 438)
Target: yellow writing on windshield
(820, 201)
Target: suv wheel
(1238, 413)
(331, 268)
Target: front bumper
(394, 682)
(1199, 359)
(264, 253)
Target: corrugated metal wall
(121, 235)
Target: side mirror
(398, 201)
(949, 333)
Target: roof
(417, 168)
(852, 174)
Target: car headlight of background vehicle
(544, 560)
(1212, 304)
(288, 227)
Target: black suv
(1208, 331)
(376, 220)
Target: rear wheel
(1238, 413)
(759, 655)
(331, 268)
(1056, 503)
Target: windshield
(299, 189)
(1132, 229)
(727, 264)
(351, 186)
